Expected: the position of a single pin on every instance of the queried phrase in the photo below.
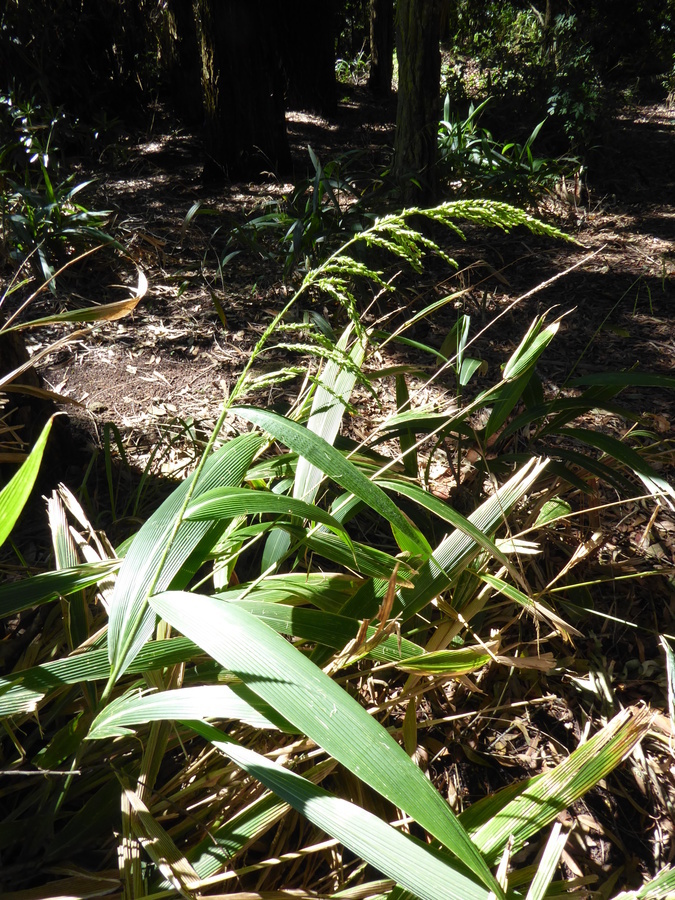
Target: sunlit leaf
(102, 313)
(157, 555)
(332, 393)
(204, 702)
(228, 502)
(48, 586)
(492, 822)
(447, 662)
(548, 863)
(302, 693)
(551, 511)
(15, 493)
(332, 463)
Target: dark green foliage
(472, 161)
(633, 37)
(353, 24)
(42, 220)
(555, 59)
(321, 211)
(82, 53)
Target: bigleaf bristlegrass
(302, 606)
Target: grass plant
(42, 214)
(471, 159)
(245, 699)
(321, 212)
(353, 71)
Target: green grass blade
(16, 492)
(408, 342)
(328, 405)
(626, 379)
(407, 437)
(661, 887)
(551, 511)
(628, 457)
(547, 417)
(458, 549)
(325, 590)
(503, 401)
(75, 612)
(21, 691)
(246, 827)
(530, 348)
(545, 796)
(131, 620)
(573, 458)
(330, 461)
(204, 702)
(48, 586)
(447, 662)
(228, 502)
(444, 511)
(548, 863)
(518, 371)
(325, 628)
(452, 555)
(361, 557)
(302, 693)
(416, 866)
(538, 609)
(423, 421)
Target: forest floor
(159, 376)
(165, 368)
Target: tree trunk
(381, 46)
(307, 48)
(183, 63)
(245, 129)
(418, 112)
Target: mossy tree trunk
(418, 112)
(244, 125)
(381, 46)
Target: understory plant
(471, 159)
(242, 698)
(44, 219)
(321, 211)
(534, 60)
(353, 71)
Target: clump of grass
(472, 161)
(272, 657)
